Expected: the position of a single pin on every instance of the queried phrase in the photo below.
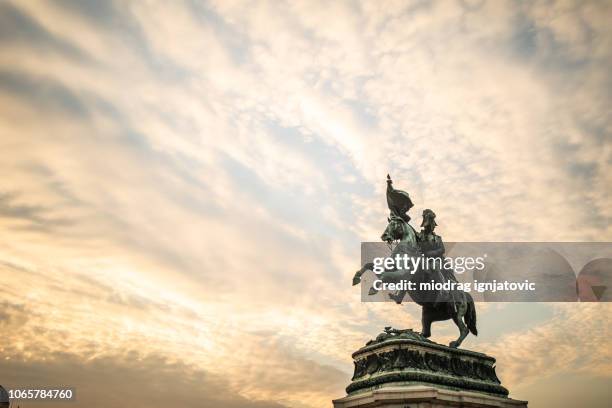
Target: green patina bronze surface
(436, 305)
(405, 357)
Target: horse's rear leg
(426, 320)
(463, 330)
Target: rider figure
(433, 247)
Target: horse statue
(436, 305)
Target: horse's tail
(470, 315)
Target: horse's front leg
(393, 276)
(366, 267)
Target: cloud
(193, 179)
(576, 334)
(130, 379)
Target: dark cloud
(18, 27)
(12, 315)
(48, 94)
(583, 171)
(472, 5)
(12, 210)
(235, 42)
(97, 12)
(132, 380)
(36, 216)
(116, 21)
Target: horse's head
(395, 229)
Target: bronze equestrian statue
(436, 305)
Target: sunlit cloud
(192, 180)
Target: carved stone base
(401, 367)
(419, 396)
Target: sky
(186, 186)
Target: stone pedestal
(401, 369)
(419, 396)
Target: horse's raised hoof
(372, 292)
(356, 280)
(453, 344)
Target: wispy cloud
(192, 179)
